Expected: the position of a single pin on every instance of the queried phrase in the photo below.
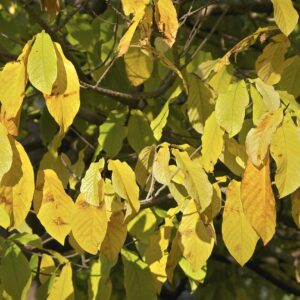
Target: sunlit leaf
(258, 199)
(238, 235)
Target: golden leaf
(89, 224)
(258, 199)
(238, 235)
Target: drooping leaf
(62, 287)
(230, 108)
(123, 180)
(115, 236)
(138, 65)
(195, 179)
(258, 199)
(89, 224)
(258, 139)
(42, 63)
(259, 107)
(271, 97)
(286, 16)
(140, 134)
(15, 282)
(200, 103)
(64, 100)
(238, 235)
(234, 156)
(269, 65)
(127, 37)
(160, 168)
(54, 207)
(92, 185)
(137, 278)
(47, 268)
(212, 143)
(285, 145)
(166, 20)
(144, 165)
(100, 286)
(196, 241)
(221, 80)
(17, 185)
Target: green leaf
(286, 16)
(139, 283)
(140, 133)
(230, 108)
(290, 76)
(113, 132)
(42, 63)
(200, 102)
(15, 272)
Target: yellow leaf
(115, 236)
(220, 81)
(64, 101)
(62, 287)
(234, 156)
(174, 257)
(230, 108)
(138, 65)
(47, 266)
(196, 181)
(258, 199)
(166, 20)
(89, 224)
(200, 102)
(127, 37)
(56, 209)
(296, 207)
(259, 108)
(133, 6)
(5, 152)
(258, 139)
(286, 16)
(212, 143)
(92, 185)
(4, 218)
(42, 63)
(17, 185)
(11, 124)
(13, 80)
(214, 208)
(285, 145)
(271, 97)
(238, 235)
(123, 180)
(269, 65)
(144, 165)
(160, 169)
(196, 241)
(156, 255)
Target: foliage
(149, 148)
